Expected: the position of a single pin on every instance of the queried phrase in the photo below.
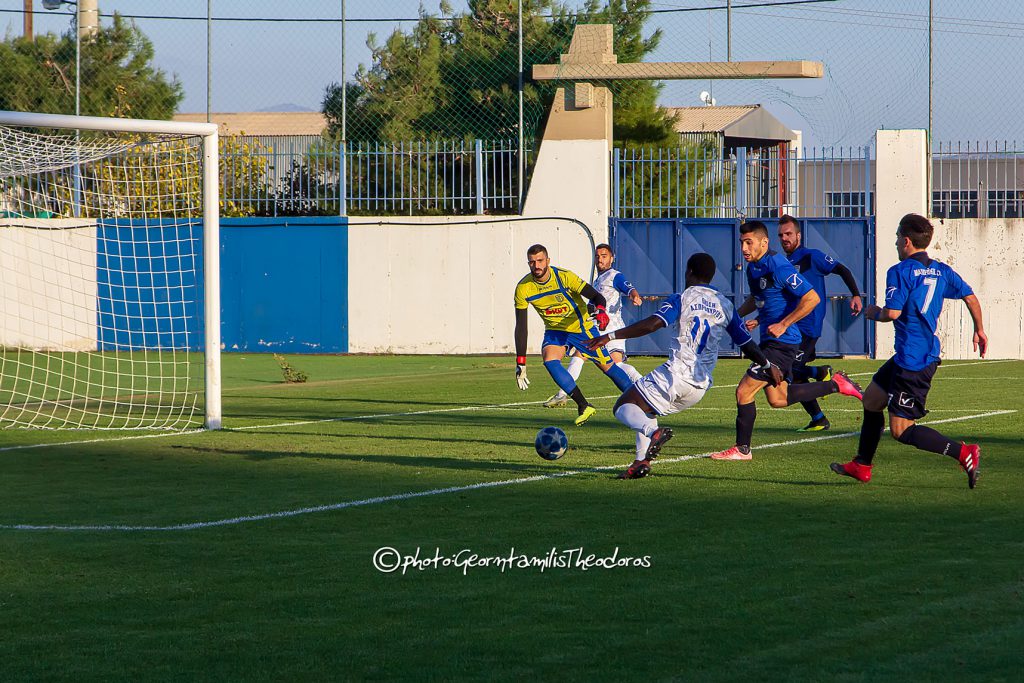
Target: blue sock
(817, 416)
(619, 376)
(561, 376)
(813, 371)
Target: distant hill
(287, 106)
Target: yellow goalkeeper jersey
(559, 301)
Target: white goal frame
(211, 221)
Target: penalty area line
(231, 521)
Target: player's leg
(619, 357)
(907, 405)
(784, 355)
(614, 372)
(801, 373)
(576, 364)
(657, 393)
(746, 414)
(552, 352)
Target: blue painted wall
(149, 284)
(284, 285)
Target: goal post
(105, 225)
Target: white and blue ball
(551, 443)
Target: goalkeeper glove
(521, 379)
(600, 315)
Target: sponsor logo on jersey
(889, 292)
(829, 259)
(556, 310)
(794, 281)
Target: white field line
(279, 425)
(190, 526)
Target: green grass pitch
(164, 558)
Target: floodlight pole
(522, 151)
(728, 31)
(209, 57)
(928, 146)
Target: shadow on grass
(417, 461)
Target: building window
(1005, 203)
(847, 204)
(955, 203)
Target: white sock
(630, 370)
(575, 368)
(633, 417)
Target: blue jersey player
(914, 291)
(782, 297)
(813, 265)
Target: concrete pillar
(901, 187)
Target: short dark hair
(786, 218)
(918, 229)
(536, 249)
(754, 226)
(605, 246)
(702, 266)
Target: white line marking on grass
(190, 526)
(325, 420)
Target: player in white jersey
(613, 285)
(702, 317)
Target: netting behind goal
(102, 294)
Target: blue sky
(875, 52)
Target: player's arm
(807, 303)
(747, 307)
(669, 312)
(895, 297)
(651, 323)
(881, 314)
(856, 302)
(740, 336)
(980, 338)
(626, 287)
(520, 340)
(598, 301)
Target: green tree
(117, 77)
(458, 78)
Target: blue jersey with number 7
(917, 286)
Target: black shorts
(807, 352)
(779, 354)
(907, 389)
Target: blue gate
(653, 252)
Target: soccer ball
(551, 443)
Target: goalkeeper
(569, 321)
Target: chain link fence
(446, 74)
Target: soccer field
(249, 553)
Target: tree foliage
(457, 77)
(117, 77)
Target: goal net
(109, 255)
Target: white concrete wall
(438, 286)
(47, 284)
(901, 187)
(573, 178)
(989, 254)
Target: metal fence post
(479, 177)
(741, 181)
(343, 180)
(616, 165)
(867, 180)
